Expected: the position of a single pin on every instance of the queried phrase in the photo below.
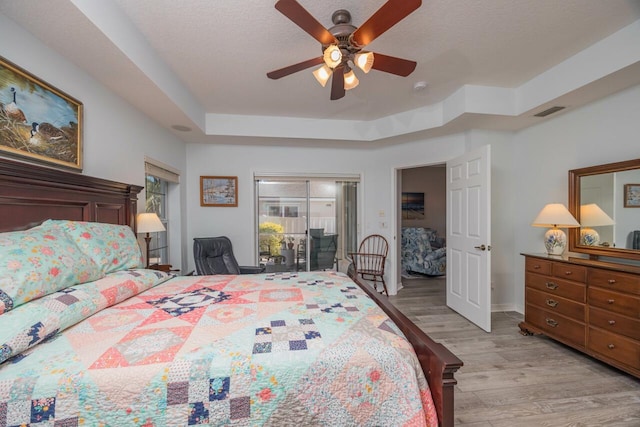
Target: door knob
(481, 247)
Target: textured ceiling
(181, 60)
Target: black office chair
(214, 255)
(323, 252)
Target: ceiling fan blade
(337, 84)
(299, 15)
(282, 72)
(393, 65)
(392, 12)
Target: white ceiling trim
(117, 27)
(604, 58)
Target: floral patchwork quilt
(135, 349)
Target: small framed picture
(221, 191)
(632, 195)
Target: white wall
(116, 136)
(604, 131)
(376, 166)
(529, 168)
(242, 161)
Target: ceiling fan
(342, 44)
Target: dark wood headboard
(30, 194)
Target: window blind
(165, 172)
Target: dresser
(592, 306)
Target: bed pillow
(113, 247)
(38, 262)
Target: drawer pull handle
(612, 322)
(551, 322)
(568, 273)
(611, 346)
(611, 301)
(552, 303)
(536, 267)
(611, 281)
(551, 285)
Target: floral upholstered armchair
(423, 252)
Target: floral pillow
(38, 262)
(113, 247)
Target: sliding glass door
(305, 224)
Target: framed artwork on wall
(37, 121)
(220, 191)
(412, 205)
(632, 196)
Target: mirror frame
(574, 208)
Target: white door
(469, 236)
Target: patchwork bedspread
(272, 349)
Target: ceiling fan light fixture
(350, 80)
(332, 56)
(322, 75)
(364, 61)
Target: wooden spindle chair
(370, 259)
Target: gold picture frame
(37, 121)
(632, 195)
(219, 191)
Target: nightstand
(167, 269)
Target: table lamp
(592, 215)
(555, 215)
(149, 223)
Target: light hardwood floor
(513, 380)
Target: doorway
(422, 205)
(467, 212)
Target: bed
(92, 359)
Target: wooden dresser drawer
(587, 303)
(536, 265)
(614, 280)
(614, 322)
(554, 324)
(559, 287)
(556, 304)
(615, 301)
(577, 273)
(614, 346)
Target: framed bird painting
(38, 121)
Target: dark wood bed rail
(438, 363)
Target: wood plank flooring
(513, 380)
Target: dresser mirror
(605, 199)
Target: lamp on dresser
(555, 215)
(592, 215)
(149, 223)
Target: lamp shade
(332, 56)
(322, 74)
(149, 223)
(555, 215)
(350, 80)
(364, 61)
(592, 215)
